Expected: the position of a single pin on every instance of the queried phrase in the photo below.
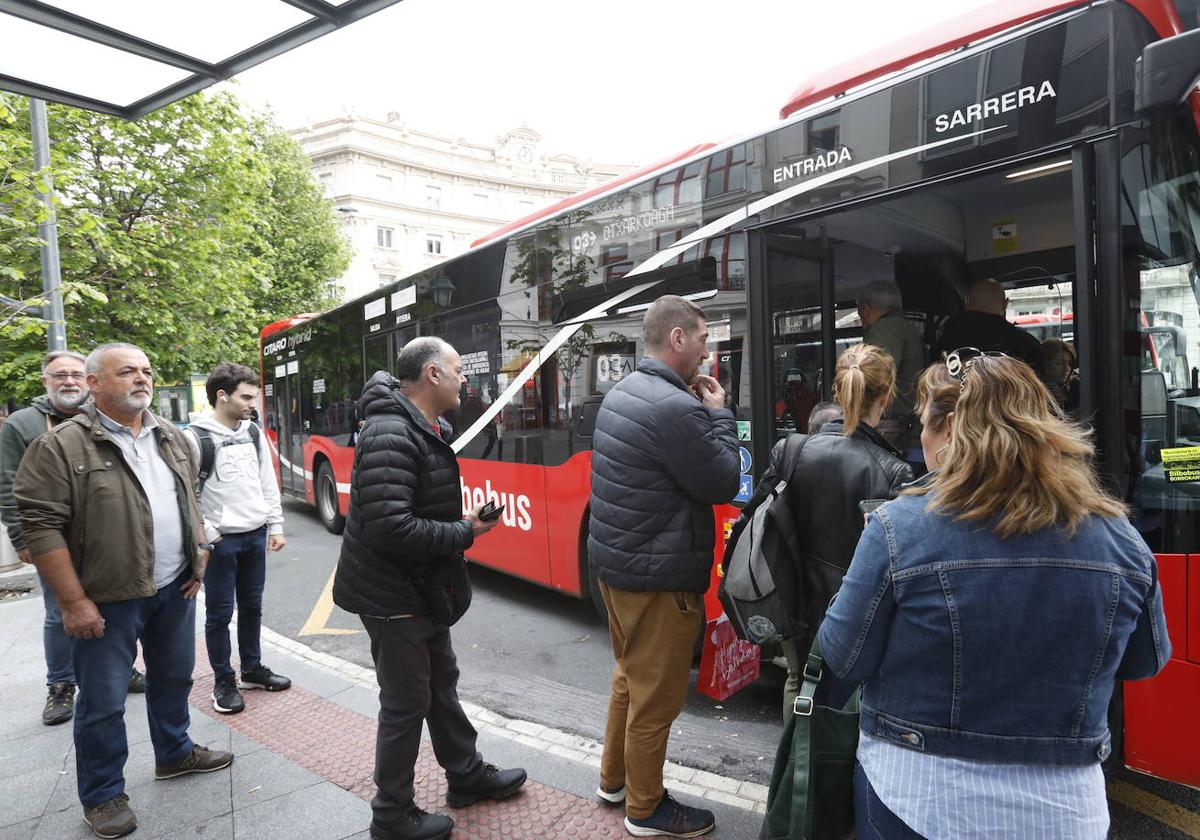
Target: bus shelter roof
(130, 57)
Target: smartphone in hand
(868, 506)
(491, 512)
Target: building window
(384, 182)
(433, 197)
(333, 289)
(679, 187)
(384, 279)
(383, 237)
(327, 182)
(726, 171)
(481, 202)
(433, 244)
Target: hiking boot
(113, 818)
(60, 704)
(493, 783)
(199, 760)
(614, 797)
(226, 698)
(414, 825)
(264, 678)
(672, 819)
(137, 682)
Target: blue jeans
(55, 641)
(873, 819)
(237, 570)
(166, 624)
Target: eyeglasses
(63, 377)
(961, 360)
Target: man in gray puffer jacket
(665, 451)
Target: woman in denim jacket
(988, 613)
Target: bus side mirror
(1166, 73)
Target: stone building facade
(410, 198)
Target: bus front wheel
(327, 500)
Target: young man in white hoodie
(239, 498)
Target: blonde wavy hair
(1014, 461)
(864, 375)
(938, 391)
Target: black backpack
(762, 588)
(208, 448)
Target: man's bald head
(986, 296)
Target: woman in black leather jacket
(845, 463)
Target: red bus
(1016, 142)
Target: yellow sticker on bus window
(1181, 463)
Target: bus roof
(946, 35)
(285, 324)
(580, 198)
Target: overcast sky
(622, 81)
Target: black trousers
(418, 681)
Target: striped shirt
(943, 797)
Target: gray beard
(69, 402)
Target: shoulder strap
(256, 436)
(791, 455)
(208, 454)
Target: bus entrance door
(291, 449)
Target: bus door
(1148, 216)
(792, 301)
(291, 446)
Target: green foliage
(183, 232)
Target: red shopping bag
(727, 664)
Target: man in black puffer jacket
(405, 519)
(665, 451)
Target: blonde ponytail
(864, 375)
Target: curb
(748, 796)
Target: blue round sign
(747, 461)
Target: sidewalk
(303, 762)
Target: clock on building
(524, 155)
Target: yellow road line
(317, 619)
(1155, 807)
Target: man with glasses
(66, 392)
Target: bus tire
(325, 490)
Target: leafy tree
(183, 232)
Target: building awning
(130, 57)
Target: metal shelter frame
(326, 17)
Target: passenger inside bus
(983, 323)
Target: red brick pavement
(339, 745)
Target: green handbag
(812, 784)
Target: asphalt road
(530, 653)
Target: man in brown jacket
(109, 511)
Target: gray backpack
(762, 590)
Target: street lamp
(443, 291)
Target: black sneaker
(493, 783)
(672, 819)
(415, 825)
(614, 797)
(264, 678)
(137, 682)
(113, 818)
(60, 704)
(199, 760)
(226, 698)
